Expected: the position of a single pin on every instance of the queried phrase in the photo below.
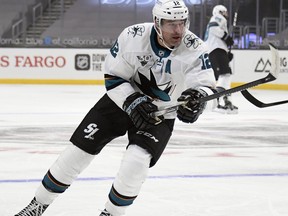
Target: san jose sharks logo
(191, 40)
(154, 90)
(136, 30)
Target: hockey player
(218, 41)
(150, 65)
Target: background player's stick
(270, 77)
(234, 22)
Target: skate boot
(33, 209)
(105, 213)
(231, 109)
(227, 108)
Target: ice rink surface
(222, 165)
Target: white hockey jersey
(216, 29)
(138, 63)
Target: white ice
(223, 165)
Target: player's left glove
(190, 111)
(230, 56)
(228, 39)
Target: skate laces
(105, 213)
(33, 209)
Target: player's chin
(175, 42)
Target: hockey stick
(258, 103)
(270, 77)
(234, 22)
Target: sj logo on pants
(91, 130)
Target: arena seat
(11, 10)
(88, 19)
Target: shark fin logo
(136, 30)
(150, 87)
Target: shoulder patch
(191, 40)
(136, 30)
(144, 59)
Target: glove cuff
(133, 100)
(205, 91)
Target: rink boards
(86, 66)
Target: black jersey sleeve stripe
(212, 24)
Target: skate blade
(225, 111)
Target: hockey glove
(230, 56)
(228, 39)
(139, 107)
(190, 112)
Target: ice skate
(227, 108)
(105, 213)
(33, 209)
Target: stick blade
(274, 73)
(252, 99)
(258, 103)
(275, 61)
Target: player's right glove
(190, 111)
(228, 39)
(139, 107)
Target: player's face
(225, 14)
(173, 31)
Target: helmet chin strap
(159, 33)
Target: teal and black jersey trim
(160, 51)
(211, 24)
(113, 81)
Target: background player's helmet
(220, 9)
(170, 10)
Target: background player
(150, 65)
(218, 41)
